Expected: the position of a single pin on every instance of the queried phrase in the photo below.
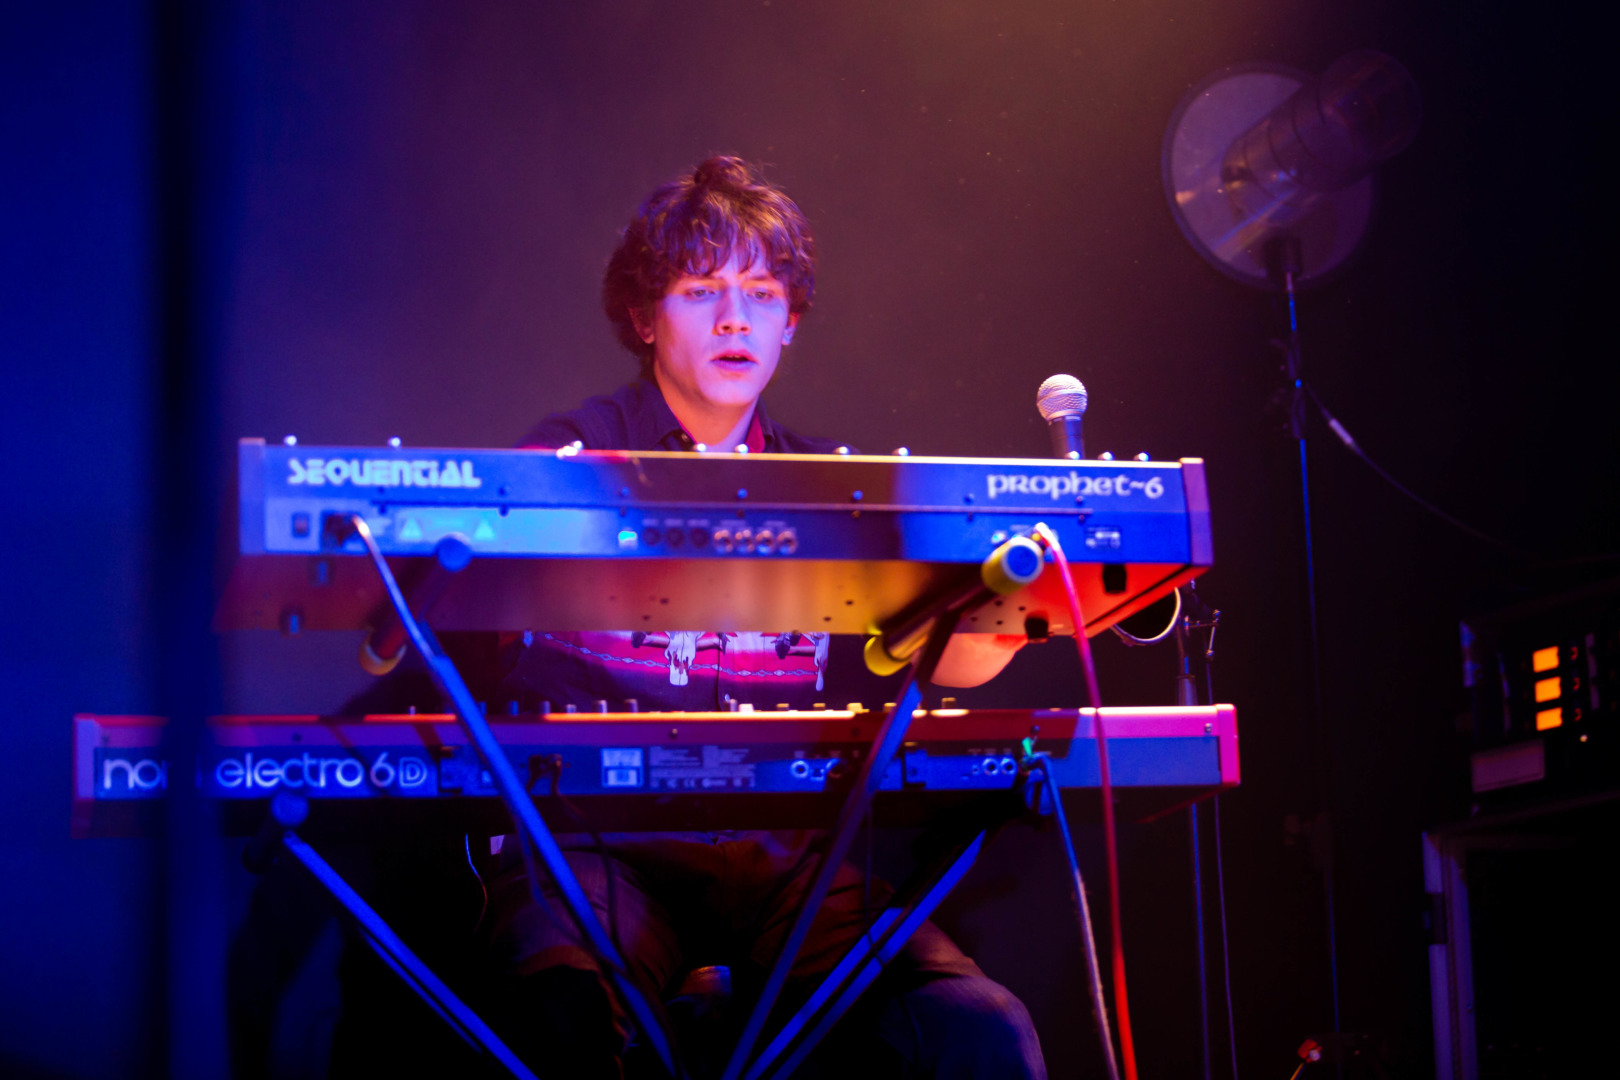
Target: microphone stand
(1193, 614)
(1284, 264)
(1187, 694)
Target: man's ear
(787, 334)
(642, 324)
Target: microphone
(1062, 402)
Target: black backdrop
(401, 215)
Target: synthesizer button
(700, 537)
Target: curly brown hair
(691, 226)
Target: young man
(707, 286)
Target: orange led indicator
(1544, 659)
(1547, 689)
(1549, 718)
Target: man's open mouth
(734, 361)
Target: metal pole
(1286, 261)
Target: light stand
(1269, 175)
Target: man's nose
(732, 317)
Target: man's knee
(964, 1027)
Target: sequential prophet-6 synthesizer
(583, 540)
(660, 770)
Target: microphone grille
(1061, 395)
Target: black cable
(866, 886)
(1099, 1003)
(1220, 866)
(483, 909)
(1226, 951)
(1350, 443)
(1131, 639)
(609, 868)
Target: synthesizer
(659, 770)
(598, 540)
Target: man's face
(716, 338)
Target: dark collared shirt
(636, 417)
(665, 667)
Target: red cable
(1121, 1007)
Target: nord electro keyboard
(659, 770)
(583, 540)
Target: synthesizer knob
(1142, 457)
(901, 451)
(764, 541)
(744, 539)
(721, 538)
(290, 440)
(787, 542)
(1105, 456)
(393, 442)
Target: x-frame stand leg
(538, 843)
(885, 746)
(537, 840)
(287, 811)
(889, 932)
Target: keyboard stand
(933, 618)
(287, 812)
(893, 927)
(539, 846)
(886, 745)
(888, 933)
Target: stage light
(1260, 152)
